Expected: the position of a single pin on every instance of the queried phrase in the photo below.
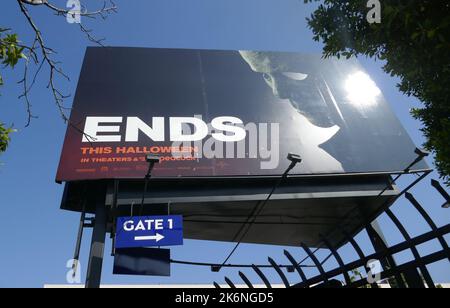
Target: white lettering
(176, 129)
(229, 138)
(134, 125)
(92, 128)
(219, 124)
(146, 225)
(128, 226)
(159, 224)
(140, 226)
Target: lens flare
(361, 89)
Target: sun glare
(361, 89)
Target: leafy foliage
(10, 50)
(10, 54)
(4, 137)
(413, 39)
(38, 55)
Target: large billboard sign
(227, 113)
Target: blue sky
(38, 238)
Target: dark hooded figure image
(332, 98)
(294, 79)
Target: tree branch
(47, 52)
(112, 8)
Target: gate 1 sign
(147, 231)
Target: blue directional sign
(148, 231)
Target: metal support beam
(443, 193)
(361, 255)
(262, 276)
(429, 221)
(413, 278)
(246, 280)
(230, 283)
(338, 258)
(76, 255)
(388, 261)
(316, 261)
(279, 272)
(296, 265)
(419, 240)
(94, 272)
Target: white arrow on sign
(156, 237)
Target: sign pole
(94, 272)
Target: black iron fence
(413, 274)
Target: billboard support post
(94, 272)
(387, 263)
(151, 160)
(76, 256)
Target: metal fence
(413, 274)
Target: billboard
(210, 113)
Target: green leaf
(4, 137)
(413, 42)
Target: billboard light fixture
(152, 159)
(421, 152)
(446, 205)
(295, 158)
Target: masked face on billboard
(290, 78)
